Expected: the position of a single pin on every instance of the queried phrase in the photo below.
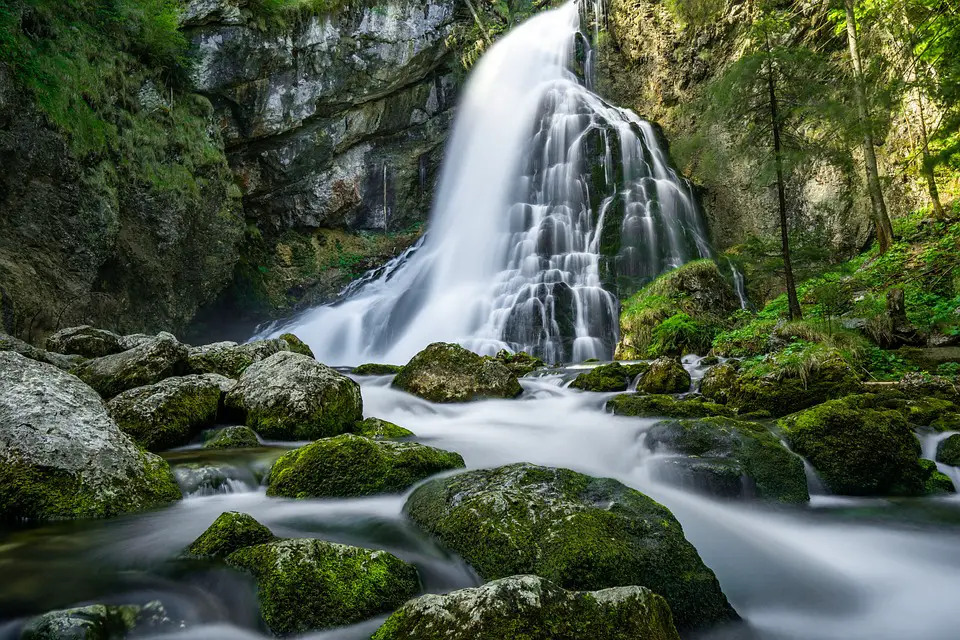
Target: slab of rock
(532, 608)
(85, 341)
(150, 362)
(449, 373)
(62, 456)
(289, 396)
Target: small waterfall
(551, 205)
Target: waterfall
(551, 204)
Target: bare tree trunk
(927, 168)
(880, 218)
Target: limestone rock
(148, 363)
(85, 341)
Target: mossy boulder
(859, 451)
(580, 532)
(520, 363)
(948, 451)
(609, 377)
(531, 608)
(449, 373)
(231, 359)
(374, 369)
(665, 375)
(85, 341)
(297, 345)
(718, 382)
(232, 438)
(380, 429)
(659, 405)
(936, 482)
(62, 456)
(733, 446)
(920, 384)
(169, 413)
(99, 622)
(289, 396)
(230, 532)
(148, 363)
(307, 584)
(351, 465)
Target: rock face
(290, 396)
(732, 448)
(99, 622)
(351, 465)
(85, 341)
(608, 377)
(532, 608)
(169, 413)
(579, 532)
(449, 373)
(665, 375)
(306, 584)
(948, 451)
(61, 456)
(230, 532)
(148, 363)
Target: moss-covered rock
(948, 450)
(609, 377)
(380, 429)
(232, 438)
(351, 465)
(449, 373)
(719, 381)
(737, 446)
(374, 369)
(858, 451)
(85, 341)
(27, 350)
(665, 375)
(99, 622)
(289, 396)
(297, 345)
(230, 532)
(306, 584)
(580, 532)
(231, 359)
(531, 608)
(61, 456)
(148, 363)
(520, 363)
(658, 405)
(169, 413)
(924, 385)
(936, 482)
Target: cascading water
(551, 202)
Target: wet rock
(659, 405)
(579, 532)
(373, 369)
(936, 482)
(306, 584)
(520, 363)
(85, 341)
(148, 363)
(297, 345)
(948, 450)
(532, 608)
(746, 448)
(61, 456)
(380, 429)
(204, 479)
(230, 532)
(27, 350)
(232, 438)
(350, 465)
(665, 375)
(609, 377)
(718, 381)
(169, 413)
(99, 622)
(289, 396)
(449, 373)
(231, 359)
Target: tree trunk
(880, 218)
(927, 167)
(794, 303)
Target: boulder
(297, 345)
(231, 359)
(232, 438)
(374, 369)
(85, 341)
(306, 584)
(449, 373)
(380, 429)
(157, 359)
(27, 350)
(665, 375)
(289, 396)
(205, 479)
(230, 532)
(351, 465)
(724, 448)
(169, 413)
(859, 451)
(61, 456)
(580, 532)
(658, 405)
(718, 381)
(99, 622)
(918, 384)
(936, 483)
(948, 451)
(609, 377)
(520, 363)
(532, 608)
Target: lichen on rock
(449, 373)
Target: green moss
(449, 373)
(665, 375)
(350, 465)
(160, 417)
(297, 345)
(520, 363)
(657, 405)
(380, 429)
(948, 451)
(306, 584)
(936, 483)
(373, 369)
(608, 377)
(228, 533)
(232, 438)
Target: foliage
(491, 20)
